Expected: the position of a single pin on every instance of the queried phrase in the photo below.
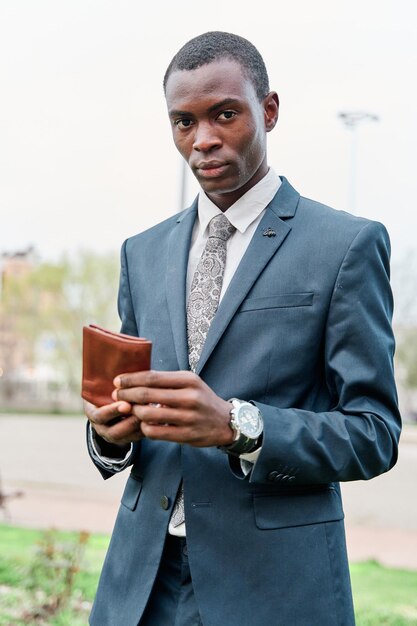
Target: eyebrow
(213, 107)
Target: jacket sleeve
(358, 438)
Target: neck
(225, 200)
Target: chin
(218, 186)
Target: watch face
(249, 421)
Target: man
(281, 309)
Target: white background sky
(86, 155)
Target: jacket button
(165, 502)
(272, 475)
(278, 477)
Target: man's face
(219, 126)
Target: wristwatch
(247, 423)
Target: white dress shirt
(245, 215)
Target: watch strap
(243, 445)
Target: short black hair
(216, 45)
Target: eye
(183, 122)
(226, 115)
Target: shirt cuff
(247, 461)
(115, 464)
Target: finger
(162, 415)
(103, 415)
(128, 429)
(89, 408)
(157, 396)
(152, 378)
(165, 432)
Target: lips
(208, 165)
(211, 169)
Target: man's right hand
(115, 424)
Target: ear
(271, 109)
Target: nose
(205, 138)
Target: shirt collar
(245, 210)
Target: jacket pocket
(284, 511)
(132, 491)
(280, 301)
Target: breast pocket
(284, 511)
(284, 300)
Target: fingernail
(117, 381)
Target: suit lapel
(261, 249)
(178, 249)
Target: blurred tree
(404, 281)
(42, 312)
(407, 356)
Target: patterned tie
(202, 305)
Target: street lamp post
(351, 120)
(183, 185)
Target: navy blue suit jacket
(304, 331)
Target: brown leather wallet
(107, 354)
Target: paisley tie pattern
(202, 305)
(206, 286)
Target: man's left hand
(176, 406)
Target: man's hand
(175, 406)
(115, 423)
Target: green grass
(383, 596)
(18, 548)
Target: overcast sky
(86, 155)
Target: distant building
(16, 264)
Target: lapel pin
(269, 232)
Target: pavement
(44, 457)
